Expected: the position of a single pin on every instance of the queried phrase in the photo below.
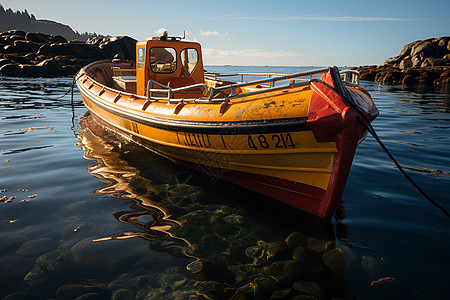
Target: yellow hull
(261, 141)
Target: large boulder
(61, 49)
(425, 48)
(432, 62)
(26, 46)
(5, 61)
(118, 45)
(441, 46)
(409, 81)
(417, 53)
(16, 32)
(417, 60)
(406, 50)
(12, 70)
(50, 67)
(9, 49)
(37, 37)
(370, 76)
(442, 84)
(393, 77)
(37, 54)
(55, 38)
(92, 51)
(31, 71)
(16, 57)
(78, 50)
(12, 38)
(406, 63)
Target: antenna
(184, 34)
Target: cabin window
(141, 58)
(189, 60)
(163, 60)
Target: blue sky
(276, 33)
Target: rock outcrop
(423, 64)
(30, 54)
(427, 53)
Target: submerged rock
(14, 267)
(37, 247)
(34, 273)
(195, 267)
(318, 245)
(334, 259)
(234, 219)
(12, 243)
(123, 294)
(49, 257)
(23, 296)
(73, 291)
(264, 287)
(305, 255)
(278, 251)
(282, 294)
(372, 266)
(309, 288)
(296, 239)
(107, 257)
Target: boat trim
(207, 127)
(270, 167)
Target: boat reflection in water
(223, 247)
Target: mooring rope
(74, 78)
(368, 126)
(366, 123)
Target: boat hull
(292, 158)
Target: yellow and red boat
(292, 137)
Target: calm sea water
(96, 216)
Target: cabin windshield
(189, 60)
(163, 60)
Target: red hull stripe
(296, 194)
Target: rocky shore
(30, 54)
(422, 65)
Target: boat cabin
(168, 61)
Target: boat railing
(155, 94)
(214, 76)
(350, 77)
(271, 80)
(168, 92)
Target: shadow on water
(226, 249)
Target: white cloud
(212, 33)
(159, 31)
(214, 53)
(209, 33)
(339, 19)
(313, 18)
